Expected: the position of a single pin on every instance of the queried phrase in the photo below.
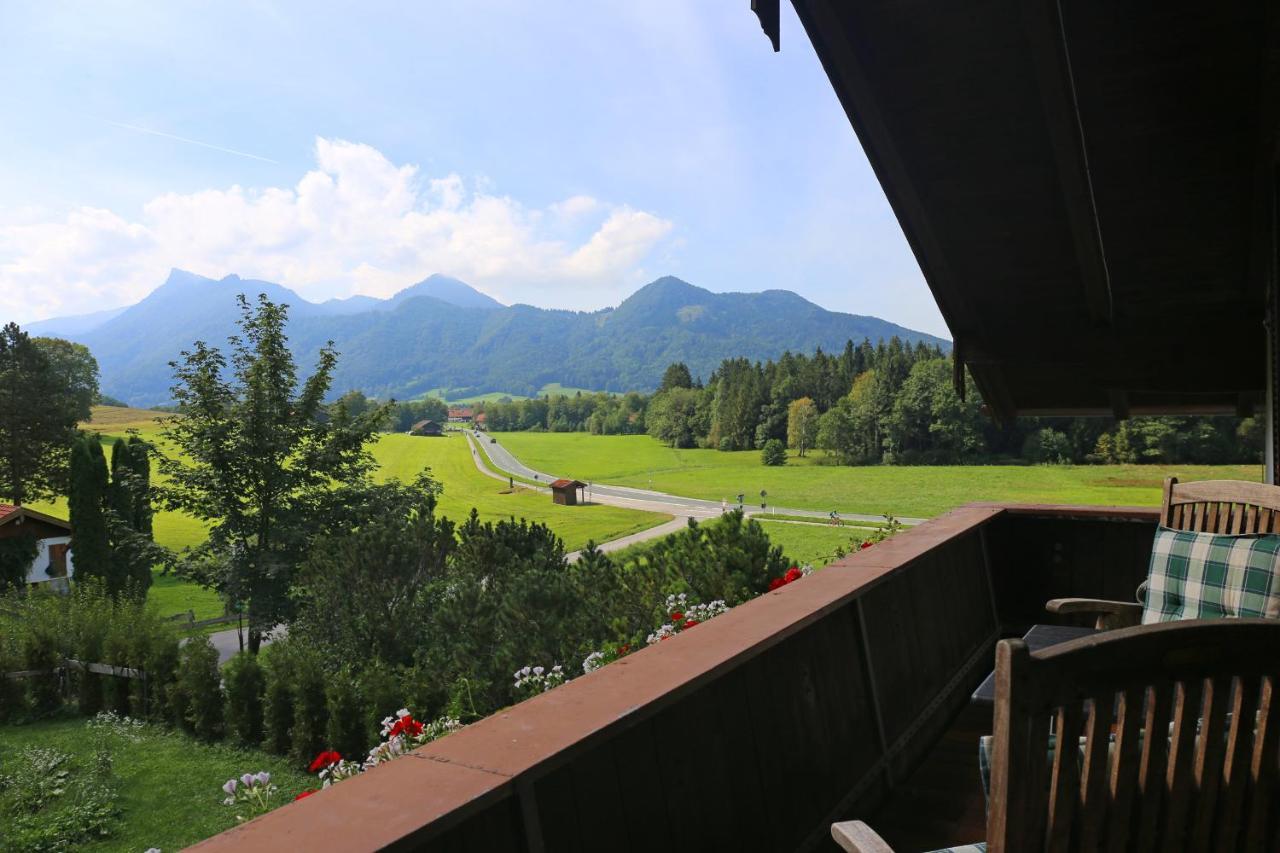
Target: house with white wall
(52, 564)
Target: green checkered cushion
(1210, 575)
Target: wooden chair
(1177, 726)
(1208, 506)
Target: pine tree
(90, 540)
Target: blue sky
(558, 153)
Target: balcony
(843, 695)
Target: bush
(277, 703)
(40, 651)
(245, 686)
(310, 716)
(348, 724)
(1047, 447)
(199, 690)
(774, 453)
(381, 692)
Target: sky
(559, 154)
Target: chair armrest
(854, 836)
(1110, 614)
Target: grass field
(459, 395)
(169, 785)
(920, 491)
(400, 456)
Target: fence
(72, 665)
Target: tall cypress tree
(129, 498)
(87, 501)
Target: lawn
(815, 544)
(168, 785)
(401, 456)
(917, 491)
(449, 458)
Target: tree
(674, 416)
(87, 506)
(774, 453)
(41, 403)
(77, 372)
(802, 424)
(133, 550)
(676, 376)
(259, 466)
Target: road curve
(506, 461)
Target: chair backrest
(1221, 506)
(1166, 739)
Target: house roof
(568, 484)
(17, 514)
(1089, 196)
(461, 412)
(424, 424)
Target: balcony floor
(941, 804)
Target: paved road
(228, 643)
(505, 460)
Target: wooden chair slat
(1262, 767)
(1064, 788)
(1093, 787)
(1123, 784)
(1250, 519)
(1210, 750)
(1237, 518)
(1211, 517)
(1178, 774)
(1235, 766)
(1152, 766)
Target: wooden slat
(1241, 491)
(1262, 767)
(1251, 519)
(1210, 749)
(1178, 778)
(1064, 787)
(1235, 768)
(1093, 788)
(1237, 518)
(1124, 768)
(1211, 517)
(1152, 766)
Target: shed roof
(17, 514)
(568, 484)
(1089, 192)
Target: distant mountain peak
(447, 289)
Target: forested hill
(442, 333)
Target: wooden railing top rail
(446, 781)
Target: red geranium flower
(689, 623)
(325, 759)
(407, 726)
(676, 617)
(303, 795)
(867, 544)
(776, 583)
(793, 574)
(624, 648)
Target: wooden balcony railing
(754, 731)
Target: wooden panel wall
(763, 756)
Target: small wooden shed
(426, 428)
(566, 491)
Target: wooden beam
(1042, 22)
(768, 13)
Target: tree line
(887, 403)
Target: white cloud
(357, 223)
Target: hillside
(443, 333)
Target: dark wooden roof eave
(1076, 212)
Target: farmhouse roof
(17, 514)
(1090, 197)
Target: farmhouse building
(565, 492)
(427, 427)
(52, 564)
(461, 414)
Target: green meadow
(808, 483)
(399, 456)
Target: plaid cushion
(1210, 575)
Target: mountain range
(442, 333)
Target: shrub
(40, 651)
(381, 689)
(348, 720)
(1047, 447)
(310, 716)
(158, 653)
(199, 689)
(277, 703)
(774, 453)
(246, 686)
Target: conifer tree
(87, 502)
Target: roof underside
(1089, 196)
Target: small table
(1039, 637)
